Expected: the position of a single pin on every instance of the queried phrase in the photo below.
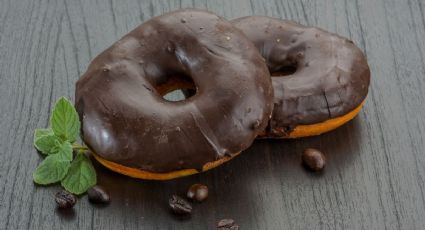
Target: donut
(133, 130)
(320, 79)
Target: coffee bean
(98, 195)
(65, 199)
(313, 159)
(227, 224)
(198, 192)
(179, 205)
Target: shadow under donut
(268, 166)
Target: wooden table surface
(376, 163)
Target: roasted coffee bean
(65, 199)
(98, 195)
(227, 224)
(313, 159)
(179, 205)
(198, 192)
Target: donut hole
(177, 88)
(284, 70)
(175, 95)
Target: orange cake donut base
(142, 174)
(319, 128)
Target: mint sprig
(81, 175)
(51, 170)
(42, 132)
(64, 120)
(47, 143)
(76, 174)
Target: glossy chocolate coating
(126, 120)
(331, 78)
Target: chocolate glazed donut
(130, 127)
(320, 79)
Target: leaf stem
(77, 146)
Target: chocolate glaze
(331, 78)
(126, 120)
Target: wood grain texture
(376, 164)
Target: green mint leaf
(65, 121)
(47, 144)
(42, 132)
(51, 170)
(64, 151)
(81, 175)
